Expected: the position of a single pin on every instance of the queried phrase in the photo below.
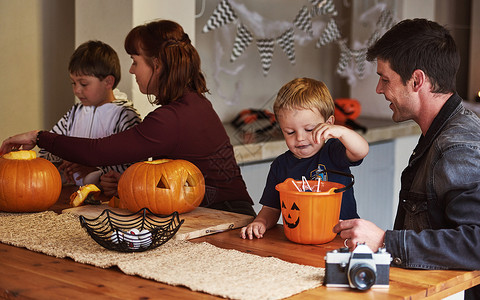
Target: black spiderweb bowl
(136, 232)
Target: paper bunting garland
(223, 14)
(323, 7)
(344, 58)
(242, 41)
(352, 62)
(385, 20)
(265, 47)
(303, 21)
(286, 43)
(330, 34)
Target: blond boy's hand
(355, 145)
(255, 228)
(325, 131)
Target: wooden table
(29, 275)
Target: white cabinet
(377, 180)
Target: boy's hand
(324, 131)
(255, 228)
(355, 145)
(69, 169)
(109, 183)
(68, 175)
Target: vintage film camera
(360, 269)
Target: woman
(185, 126)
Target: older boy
(95, 72)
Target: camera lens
(362, 276)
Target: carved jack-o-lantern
(309, 217)
(346, 109)
(163, 186)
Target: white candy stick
(298, 189)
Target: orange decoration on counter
(347, 109)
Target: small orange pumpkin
(163, 186)
(347, 109)
(27, 183)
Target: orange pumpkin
(27, 183)
(163, 186)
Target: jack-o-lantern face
(163, 186)
(309, 217)
(346, 109)
(294, 211)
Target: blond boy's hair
(305, 93)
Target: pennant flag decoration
(265, 47)
(344, 58)
(330, 34)
(323, 7)
(286, 43)
(351, 64)
(373, 38)
(385, 20)
(360, 59)
(223, 14)
(242, 41)
(303, 21)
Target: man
(438, 219)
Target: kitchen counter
(378, 130)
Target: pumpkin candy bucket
(309, 216)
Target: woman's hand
(109, 183)
(24, 141)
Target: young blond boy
(304, 109)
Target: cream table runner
(198, 266)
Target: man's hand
(360, 231)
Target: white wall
(374, 105)
(20, 40)
(241, 84)
(35, 42)
(111, 20)
(180, 11)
